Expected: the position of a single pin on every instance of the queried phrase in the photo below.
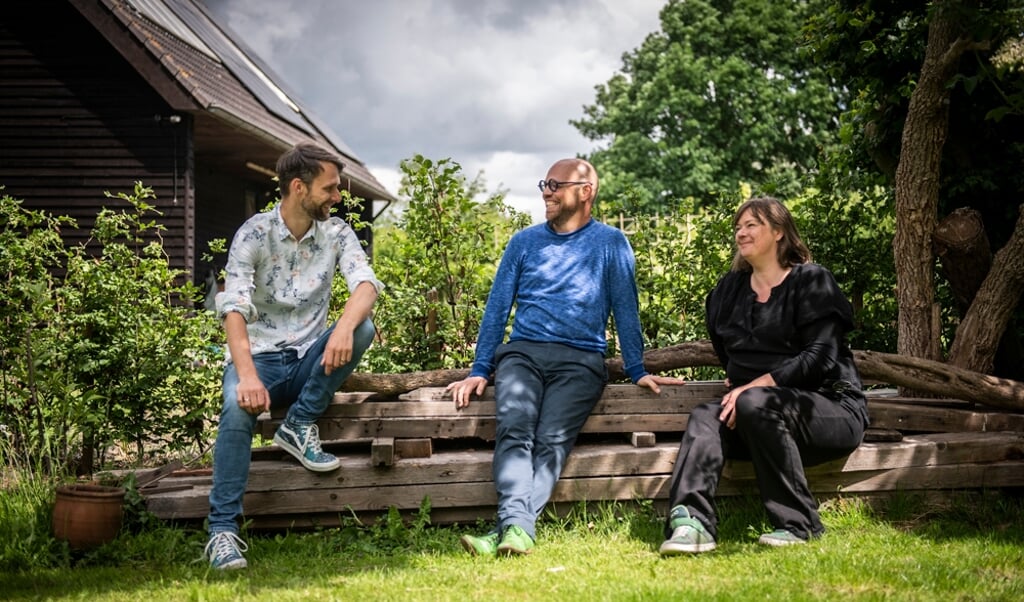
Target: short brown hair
(305, 162)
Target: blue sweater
(564, 287)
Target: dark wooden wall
(77, 120)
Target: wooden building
(96, 95)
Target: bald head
(576, 170)
(569, 190)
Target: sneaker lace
(225, 544)
(313, 440)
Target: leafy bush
(439, 258)
(438, 262)
(110, 352)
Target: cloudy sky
(492, 84)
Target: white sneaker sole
(671, 548)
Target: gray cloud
(490, 83)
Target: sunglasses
(553, 185)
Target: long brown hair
(791, 250)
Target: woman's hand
(728, 414)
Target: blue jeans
(544, 392)
(291, 381)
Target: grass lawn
(969, 548)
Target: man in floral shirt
(280, 350)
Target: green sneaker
(688, 535)
(486, 545)
(779, 538)
(515, 541)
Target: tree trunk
(917, 184)
(964, 254)
(977, 337)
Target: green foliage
(437, 262)
(145, 362)
(851, 235)
(104, 349)
(26, 502)
(719, 96)
(35, 391)
(679, 258)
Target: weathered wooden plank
(695, 390)
(193, 503)
(446, 409)
(912, 451)
(474, 426)
(382, 451)
(875, 435)
(596, 472)
(414, 448)
(922, 418)
(149, 478)
(453, 466)
(643, 439)
(1009, 473)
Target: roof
(217, 75)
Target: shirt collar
(284, 233)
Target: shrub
(111, 352)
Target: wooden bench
(401, 452)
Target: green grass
(970, 548)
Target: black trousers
(780, 430)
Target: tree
(719, 97)
(437, 263)
(941, 121)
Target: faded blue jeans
(544, 392)
(297, 383)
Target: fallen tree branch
(914, 373)
(941, 379)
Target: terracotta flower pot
(87, 516)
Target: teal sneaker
(303, 442)
(779, 538)
(688, 535)
(485, 545)
(224, 550)
(515, 541)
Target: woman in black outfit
(778, 324)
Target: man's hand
(651, 381)
(252, 395)
(462, 389)
(338, 350)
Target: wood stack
(416, 449)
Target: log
(391, 385)
(684, 355)
(941, 379)
(914, 373)
(694, 353)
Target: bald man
(565, 277)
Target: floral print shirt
(282, 286)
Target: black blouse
(797, 335)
